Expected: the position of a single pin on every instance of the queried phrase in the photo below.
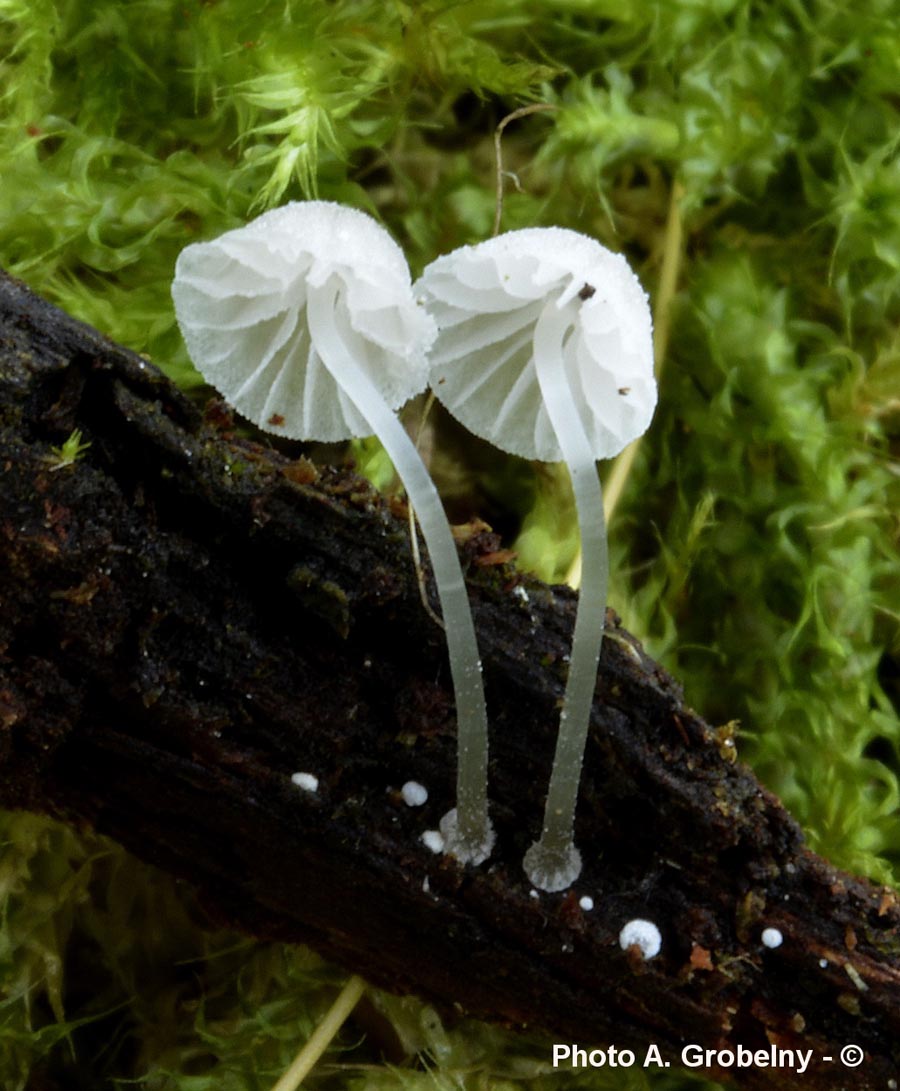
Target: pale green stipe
(553, 862)
(469, 835)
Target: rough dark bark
(188, 618)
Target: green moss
(756, 547)
(69, 452)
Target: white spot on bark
(414, 794)
(433, 840)
(641, 934)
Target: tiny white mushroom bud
(307, 781)
(586, 903)
(414, 794)
(772, 938)
(641, 934)
(433, 840)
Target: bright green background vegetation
(755, 549)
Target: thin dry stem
(413, 530)
(523, 111)
(322, 1036)
(662, 328)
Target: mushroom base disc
(551, 869)
(460, 847)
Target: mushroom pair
(538, 340)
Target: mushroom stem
(553, 862)
(468, 834)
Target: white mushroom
(309, 782)
(545, 349)
(305, 321)
(644, 935)
(414, 794)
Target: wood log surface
(187, 618)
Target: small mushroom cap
(487, 299)
(641, 934)
(241, 304)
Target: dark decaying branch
(189, 618)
